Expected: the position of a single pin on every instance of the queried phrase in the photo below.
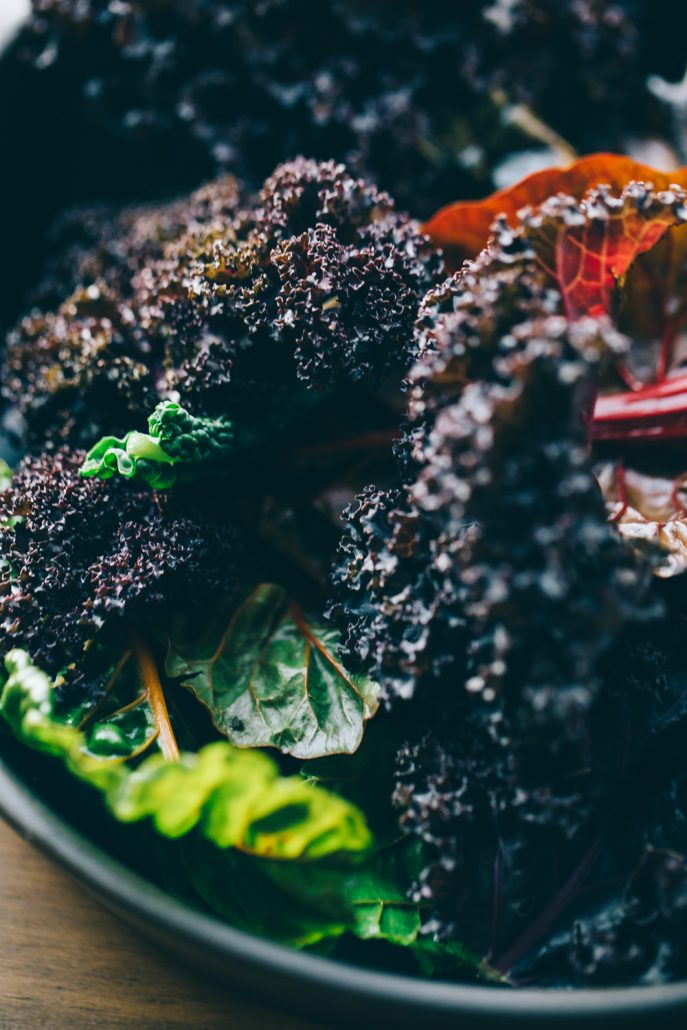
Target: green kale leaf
(174, 438)
(270, 677)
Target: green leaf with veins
(317, 905)
(277, 856)
(122, 724)
(235, 798)
(315, 902)
(270, 677)
(379, 897)
(176, 441)
(243, 892)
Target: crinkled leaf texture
(649, 511)
(463, 229)
(235, 798)
(618, 250)
(270, 677)
(174, 438)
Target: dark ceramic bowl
(321, 989)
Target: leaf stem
(156, 698)
(545, 921)
(116, 672)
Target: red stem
(657, 411)
(544, 923)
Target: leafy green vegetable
(271, 677)
(381, 907)
(124, 723)
(27, 703)
(174, 437)
(240, 800)
(244, 891)
(371, 900)
(319, 904)
(274, 855)
(236, 798)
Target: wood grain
(67, 964)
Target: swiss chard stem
(156, 698)
(657, 411)
(89, 717)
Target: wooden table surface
(67, 964)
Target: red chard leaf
(464, 228)
(588, 246)
(610, 233)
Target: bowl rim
(123, 889)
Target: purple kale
(83, 559)
(238, 305)
(423, 98)
(489, 592)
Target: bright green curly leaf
(174, 438)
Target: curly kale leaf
(249, 308)
(618, 249)
(84, 560)
(487, 591)
(174, 438)
(270, 677)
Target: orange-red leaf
(611, 233)
(463, 228)
(589, 247)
